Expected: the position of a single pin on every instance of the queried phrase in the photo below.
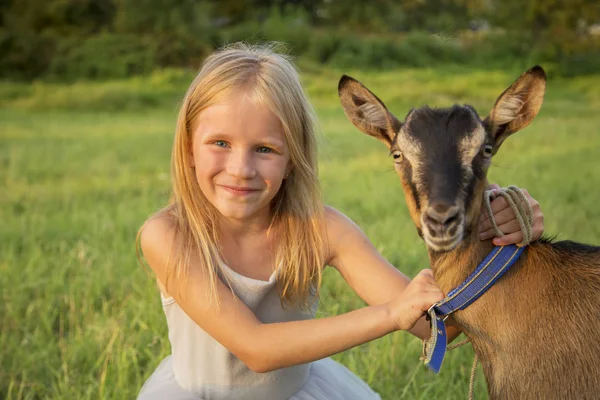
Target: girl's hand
(420, 294)
(506, 220)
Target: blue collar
(485, 275)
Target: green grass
(82, 166)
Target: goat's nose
(440, 213)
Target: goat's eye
(487, 150)
(397, 155)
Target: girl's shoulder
(339, 230)
(157, 237)
(337, 222)
(158, 226)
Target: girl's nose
(240, 164)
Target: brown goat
(537, 330)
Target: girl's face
(240, 157)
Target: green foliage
(557, 26)
(413, 50)
(31, 31)
(439, 16)
(106, 39)
(103, 56)
(290, 26)
(249, 32)
(180, 30)
(579, 64)
(25, 55)
(358, 16)
(58, 17)
(324, 44)
(431, 49)
(501, 50)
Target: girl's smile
(239, 190)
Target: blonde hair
(298, 214)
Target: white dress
(200, 368)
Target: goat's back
(537, 331)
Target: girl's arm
(265, 347)
(371, 276)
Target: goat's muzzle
(442, 225)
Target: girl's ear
(288, 171)
(191, 158)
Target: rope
(473, 369)
(472, 382)
(518, 202)
(457, 345)
(524, 213)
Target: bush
(427, 49)
(24, 55)
(503, 50)
(413, 50)
(350, 53)
(579, 64)
(290, 26)
(173, 51)
(103, 56)
(249, 32)
(323, 45)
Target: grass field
(82, 166)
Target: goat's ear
(518, 105)
(366, 111)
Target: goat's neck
(453, 267)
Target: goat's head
(442, 155)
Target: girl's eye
(264, 149)
(487, 150)
(397, 156)
(221, 143)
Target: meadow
(83, 165)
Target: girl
(239, 251)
